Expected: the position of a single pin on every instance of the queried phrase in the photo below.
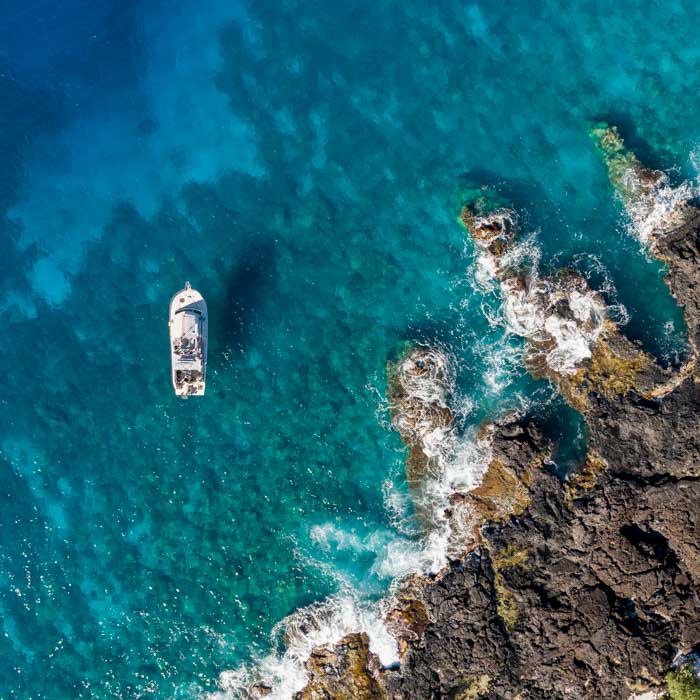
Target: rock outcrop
(419, 384)
(583, 589)
(346, 671)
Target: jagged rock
(492, 231)
(408, 616)
(418, 387)
(586, 589)
(346, 671)
(466, 638)
(516, 451)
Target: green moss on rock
(509, 558)
(683, 684)
(474, 688)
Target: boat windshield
(190, 334)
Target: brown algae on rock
(346, 671)
(408, 617)
(615, 368)
(585, 479)
(502, 493)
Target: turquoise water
(300, 164)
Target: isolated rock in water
(493, 233)
(419, 385)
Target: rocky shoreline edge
(586, 588)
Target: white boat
(188, 341)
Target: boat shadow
(235, 315)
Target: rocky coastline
(574, 589)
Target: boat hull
(189, 328)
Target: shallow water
(301, 164)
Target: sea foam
(320, 624)
(656, 208)
(458, 464)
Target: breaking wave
(459, 462)
(656, 208)
(560, 316)
(461, 469)
(424, 390)
(557, 314)
(324, 623)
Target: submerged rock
(655, 207)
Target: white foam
(328, 537)
(694, 158)
(332, 539)
(655, 208)
(461, 462)
(574, 338)
(433, 386)
(461, 465)
(530, 309)
(430, 388)
(502, 362)
(320, 624)
(486, 272)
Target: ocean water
(301, 163)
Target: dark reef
(588, 588)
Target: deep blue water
(300, 164)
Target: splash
(658, 207)
(419, 386)
(278, 676)
(447, 530)
(560, 316)
(654, 205)
(421, 392)
(441, 460)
